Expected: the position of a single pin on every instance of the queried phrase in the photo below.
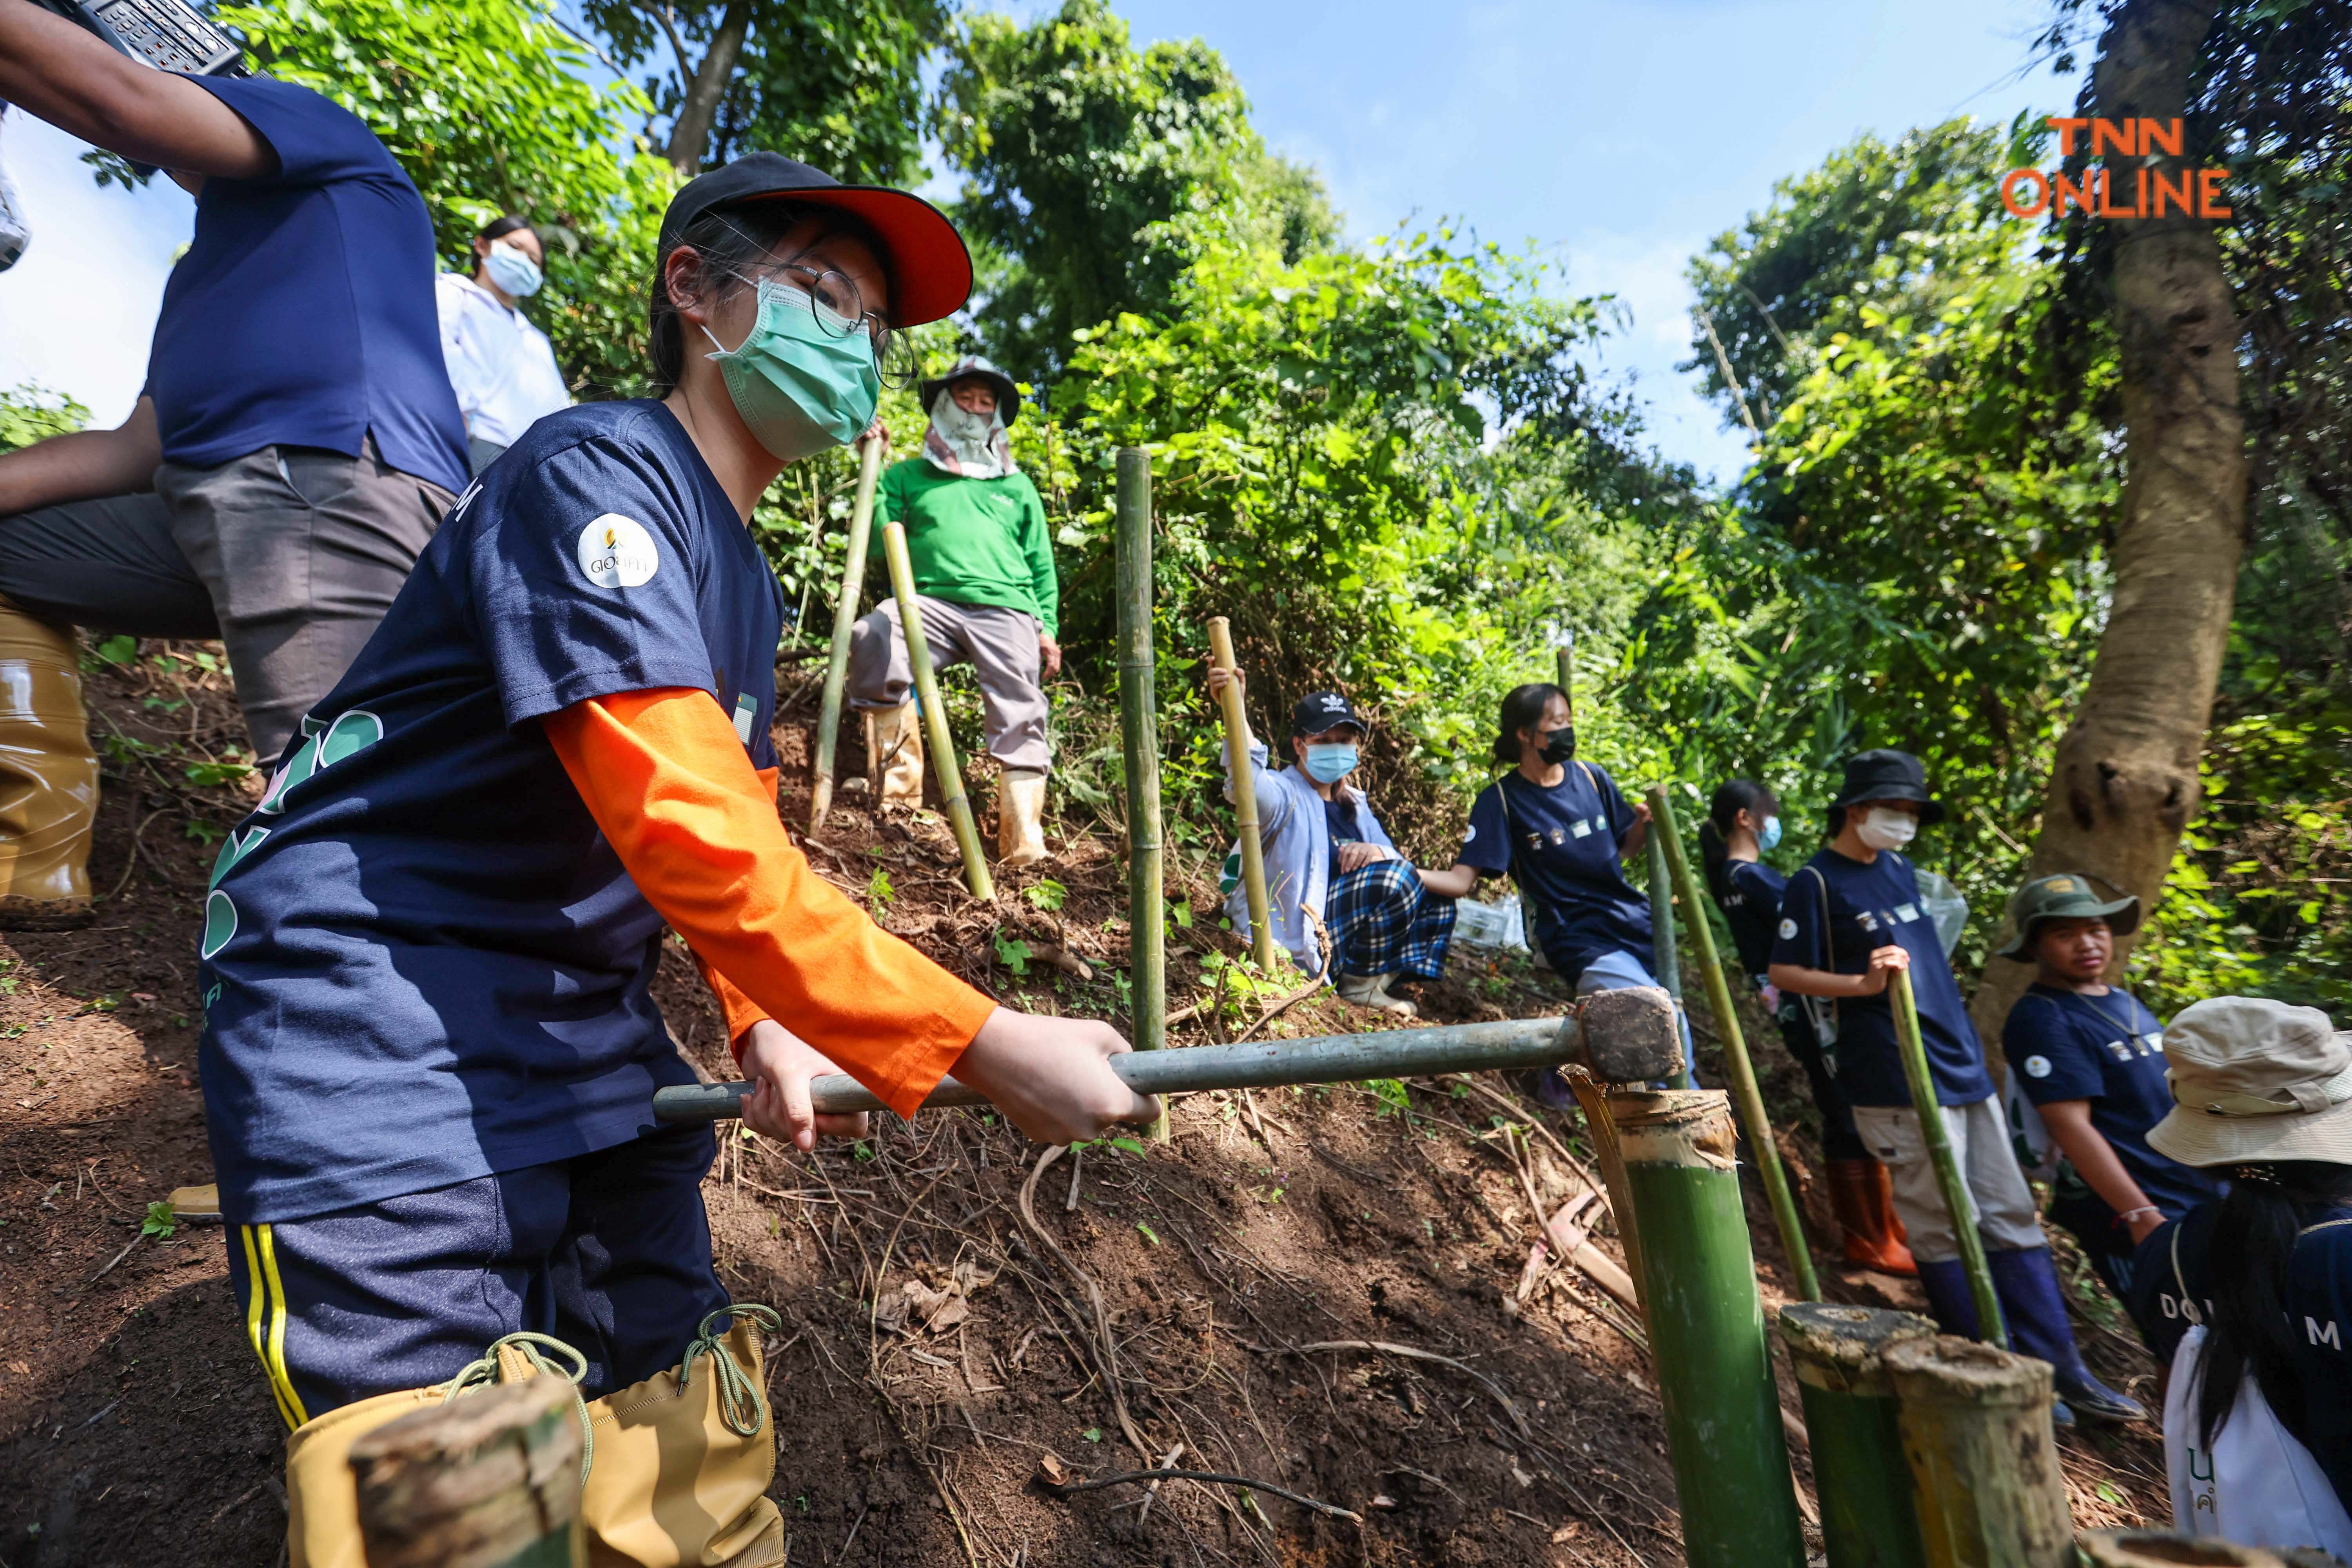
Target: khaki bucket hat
(2255, 1081)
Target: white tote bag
(2258, 1486)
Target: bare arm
(56, 71)
(2094, 1159)
(1638, 835)
(1806, 982)
(1455, 882)
(84, 464)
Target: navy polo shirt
(1561, 845)
(1751, 908)
(303, 313)
(1868, 908)
(2109, 1050)
(422, 962)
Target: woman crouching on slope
(430, 1039)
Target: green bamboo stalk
(1139, 732)
(935, 714)
(1750, 1099)
(1868, 1519)
(844, 616)
(1662, 937)
(1245, 777)
(1991, 1327)
(1564, 658)
(1983, 1457)
(1724, 1437)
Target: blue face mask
(1330, 763)
(1769, 838)
(516, 275)
(801, 387)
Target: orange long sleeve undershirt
(666, 777)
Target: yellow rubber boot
(894, 746)
(48, 777)
(1021, 817)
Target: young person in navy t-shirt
(430, 1042)
(1742, 826)
(1559, 828)
(1849, 919)
(294, 447)
(2091, 1058)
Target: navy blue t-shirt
(303, 313)
(2108, 1050)
(1871, 907)
(1339, 822)
(422, 962)
(1751, 908)
(1561, 845)
(2318, 1406)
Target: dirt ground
(136, 1428)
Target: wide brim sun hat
(972, 367)
(1888, 774)
(2067, 896)
(2253, 1082)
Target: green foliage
(878, 891)
(159, 1221)
(1014, 953)
(1045, 894)
(30, 412)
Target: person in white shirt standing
(500, 366)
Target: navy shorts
(609, 1252)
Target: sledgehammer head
(1629, 1036)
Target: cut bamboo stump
(1983, 1456)
(1138, 728)
(1707, 1332)
(1868, 1519)
(2147, 1549)
(490, 1479)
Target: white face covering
(973, 446)
(1887, 827)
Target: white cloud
(78, 309)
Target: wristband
(2128, 1215)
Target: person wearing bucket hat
(1851, 917)
(2262, 1092)
(430, 1038)
(985, 584)
(2088, 1059)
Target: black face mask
(1559, 746)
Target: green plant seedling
(159, 1221)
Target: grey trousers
(289, 555)
(1997, 1189)
(1001, 645)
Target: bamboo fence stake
(935, 714)
(1761, 1148)
(1991, 1327)
(1593, 1100)
(2154, 1548)
(1661, 936)
(844, 616)
(1714, 1363)
(1237, 762)
(1868, 1517)
(1138, 730)
(1983, 1456)
(490, 1479)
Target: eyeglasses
(841, 310)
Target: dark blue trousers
(609, 1252)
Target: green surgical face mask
(800, 384)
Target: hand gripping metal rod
(1261, 1064)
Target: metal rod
(1661, 936)
(845, 617)
(1714, 1364)
(1991, 1327)
(1868, 1517)
(1147, 910)
(1245, 777)
(1259, 1064)
(1750, 1097)
(935, 714)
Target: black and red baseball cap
(929, 270)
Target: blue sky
(1616, 136)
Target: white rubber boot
(895, 748)
(1372, 991)
(1021, 817)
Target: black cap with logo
(1320, 711)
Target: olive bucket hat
(2068, 895)
(2255, 1081)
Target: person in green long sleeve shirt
(986, 589)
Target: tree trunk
(707, 87)
(2124, 785)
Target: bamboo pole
(1662, 937)
(490, 1479)
(1991, 1327)
(1750, 1097)
(1714, 1363)
(844, 616)
(1245, 777)
(1564, 660)
(935, 714)
(1982, 1453)
(1147, 911)
(1868, 1517)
